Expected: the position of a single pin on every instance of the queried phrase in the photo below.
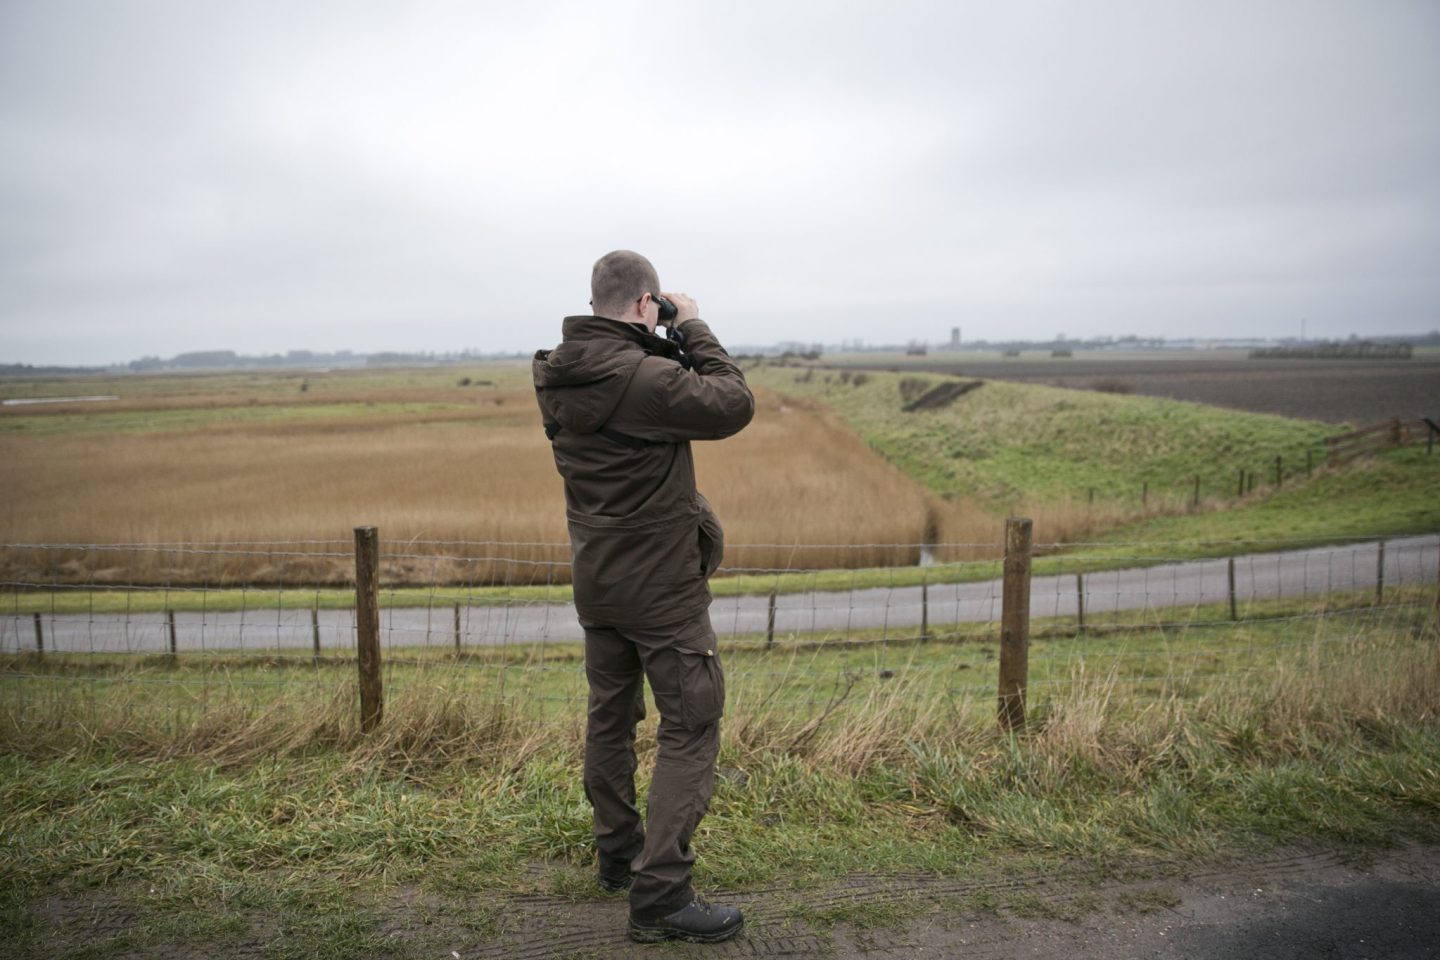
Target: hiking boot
(697, 922)
(614, 875)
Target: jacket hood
(580, 382)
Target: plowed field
(1338, 391)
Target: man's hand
(685, 308)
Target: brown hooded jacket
(621, 411)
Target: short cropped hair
(619, 279)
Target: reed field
(456, 455)
(423, 458)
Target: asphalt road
(1310, 572)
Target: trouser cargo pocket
(687, 680)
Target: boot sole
(644, 934)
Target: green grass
(268, 384)
(85, 599)
(1145, 653)
(1392, 494)
(1007, 441)
(260, 813)
(146, 421)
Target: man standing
(621, 406)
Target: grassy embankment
(215, 803)
(1039, 451)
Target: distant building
(954, 338)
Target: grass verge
(264, 815)
(1388, 495)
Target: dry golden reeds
(796, 477)
(1376, 682)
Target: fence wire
(491, 620)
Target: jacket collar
(603, 328)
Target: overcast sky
(437, 176)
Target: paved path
(1291, 573)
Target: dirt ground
(1380, 904)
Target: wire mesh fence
(493, 623)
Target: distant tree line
(1354, 350)
(224, 359)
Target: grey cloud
(181, 176)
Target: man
(620, 406)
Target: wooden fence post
(170, 622)
(1309, 462)
(924, 608)
(1195, 499)
(1279, 474)
(770, 622)
(315, 632)
(1240, 484)
(1250, 482)
(457, 629)
(1144, 492)
(39, 637)
(1015, 624)
(1380, 575)
(1080, 601)
(1231, 573)
(367, 626)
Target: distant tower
(954, 338)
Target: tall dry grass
(797, 477)
(1372, 684)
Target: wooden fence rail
(1372, 439)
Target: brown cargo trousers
(683, 667)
